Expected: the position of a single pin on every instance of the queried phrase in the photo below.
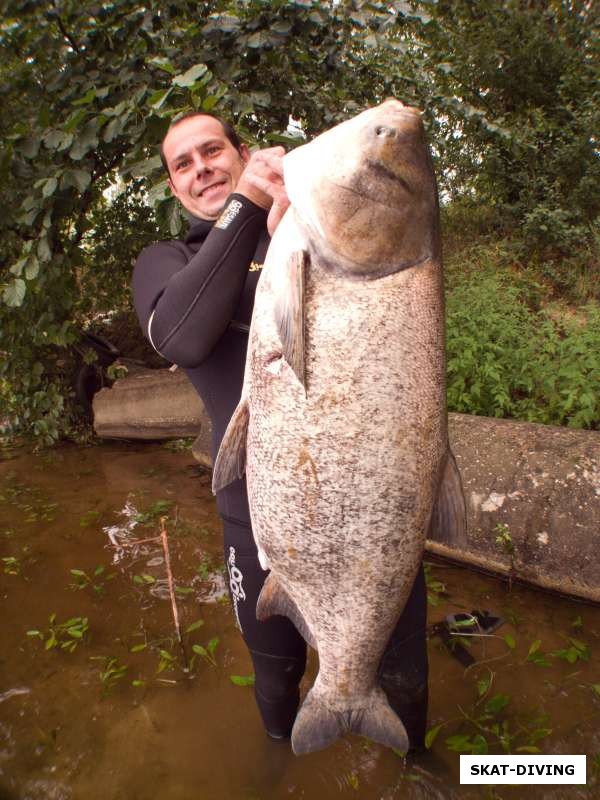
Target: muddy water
(121, 712)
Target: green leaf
(113, 129)
(145, 167)
(258, 39)
(87, 98)
(460, 743)
(194, 626)
(578, 644)
(43, 249)
(30, 147)
(49, 187)
(497, 703)
(158, 192)
(86, 140)
(78, 178)
(53, 139)
(74, 120)
(210, 102)
(190, 77)
(534, 647)
(510, 640)
(138, 648)
(161, 63)
(212, 645)
(197, 648)
(17, 267)
(14, 293)
(174, 217)
(431, 735)
(32, 268)
(157, 98)
(88, 518)
(242, 680)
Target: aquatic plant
(435, 588)
(208, 652)
(66, 635)
(96, 581)
(242, 680)
(12, 565)
(112, 672)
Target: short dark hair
(227, 129)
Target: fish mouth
(363, 188)
(381, 171)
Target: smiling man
(206, 162)
(194, 301)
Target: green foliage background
(510, 94)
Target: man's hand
(262, 183)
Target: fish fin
(230, 463)
(317, 726)
(449, 518)
(274, 599)
(289, 314)
(263, 559)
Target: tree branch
(67, 35)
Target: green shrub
(507, 359)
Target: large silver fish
(341, 428)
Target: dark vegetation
(510, 93)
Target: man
(194, 300)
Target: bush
(507, 359)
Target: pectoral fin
(449, 518)
(289, 313)
(273, 599)
(230, 463)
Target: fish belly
(341, 478)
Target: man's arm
(184, 307)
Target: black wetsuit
(194, 300)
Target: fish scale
(346, 446)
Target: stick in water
(165, 544)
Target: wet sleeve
(184, 306)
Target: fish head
(365, 192)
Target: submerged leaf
(242, 680)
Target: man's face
(204, 166)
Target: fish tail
(317, 725)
